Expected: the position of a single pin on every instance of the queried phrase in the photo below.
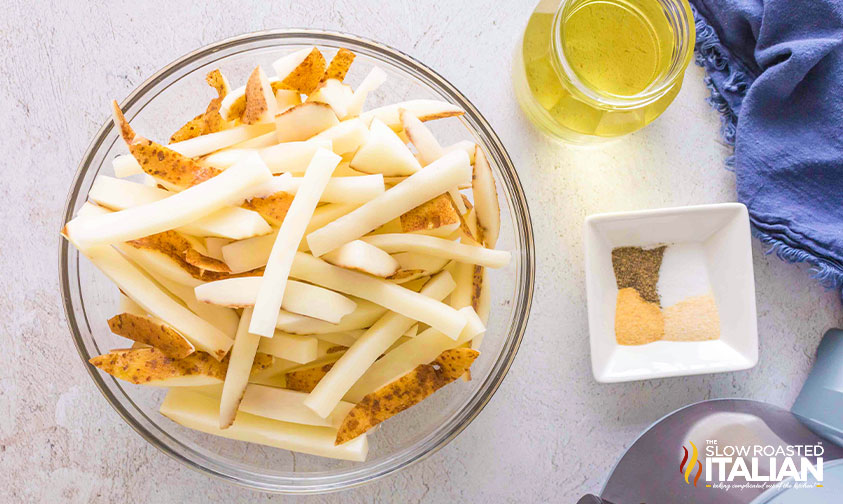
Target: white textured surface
(550, 434)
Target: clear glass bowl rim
(394, 462)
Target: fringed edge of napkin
(715, 58)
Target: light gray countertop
(551, 433)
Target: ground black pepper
(638, 268)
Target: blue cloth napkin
(775, 70)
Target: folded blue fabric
(775, 70)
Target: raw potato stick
(292, 347)
(271, 294)
(229, 222)
(175, 211)
(201, 412)
(439, 247)
(364, 316)
(449, 171)
(287, 406)
(239, 366)
(151, 298)
(425, 110)
(343, 189)
(366, 349)
(391, 296)
(422, 349)
(301, 298)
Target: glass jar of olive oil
(588, 70)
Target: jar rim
(678, 13)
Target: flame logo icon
(689, 468)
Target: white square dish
(723, 232)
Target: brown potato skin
(150, 332)
(339, 66)
(306, 77)
(407, 391)
(430, 215)
(148, 365)
(305, 380)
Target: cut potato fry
(424, 110)
(435, 216)
(339, 65)
(293, 157)
(286, 98)
(149, 331)
(486, 205)
(335, 94)
(465, 145)
(414, 265)
(342, 338)
(439, 247)
(126, 305)
(345, 137)
(371, 82)
(292, 347)
(422, 186)
(301, 298)
(261, 106)
(201, 412)
(239, 368)
(366, 349)
(286, 405)
(480, 300)
(405, 392)
(301, 74)
(175, 211)
(463, 274)
(415, 351)
(343, 189)
(364, 315)
(360, 256)
(393, 297)
(384, 152)
(214, 245)
(229, 222)
(271, 293)
(427, 146)
(158, 303)
(224, 319)
(304, 121)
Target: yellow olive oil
(599, 67)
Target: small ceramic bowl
(722, 230)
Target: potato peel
(148, 331)
(340, 63)
(272, 208)
(405, 392)
(205, 263)
(159, 161)
(486, 204)
(176, 247)
(306, 76)
(211, 120)
(305, 380)
(148, 366)
(430, 215)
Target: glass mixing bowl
(158, 107)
